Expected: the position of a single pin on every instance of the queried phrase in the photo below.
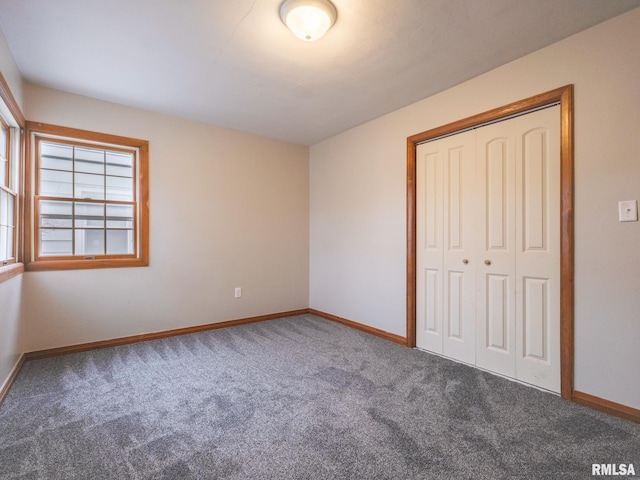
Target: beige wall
(357, 199)
(227, 209)
(10, 71)
(10, 332)
(10, 329)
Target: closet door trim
(564, 97)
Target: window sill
(11, 271)
(40, 266)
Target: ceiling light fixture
(308, 19)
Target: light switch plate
(628, 210)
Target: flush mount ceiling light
(308, 19)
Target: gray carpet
(294, 398)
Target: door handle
(465, 261)
(487, 262)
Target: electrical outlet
(238, 292)
(628, 211)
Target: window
(89, 199)
(8, 194)
(11, 123)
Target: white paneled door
(446, 243)
(495, 282)
(538, 249)
(488, 247)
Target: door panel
(455, 327)
(535, 318)
(538, 252)
(432, 308)
(534, 165)
(459, 239)
(497, 313)
(496, 160)
(495, 282)
(445, 297)
(429, 245)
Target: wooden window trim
(141, 227)
(10, 271)
(15, 267)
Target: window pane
(4, 139)
(89, 242)
(89, 160)
(55, 242)
(4, 208)
(56, 184)
(119, 188)
(3, 171)
(10, 209)
(120, 164)
(119, 242)
(55, 214)
(4, 154)
(89, 186)
(56, 157)
(89, 215)
(4, 241)
(13, 172)
(10, 237)
(6, 225)
(119, 216)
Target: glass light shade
(308, 19)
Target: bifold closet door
(495, 281)
(538, 249)
(518, 281)
(445, 283)
(488, 247)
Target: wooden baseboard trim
(359, 326)
(84, 347)
(606, 406)
(12, 376)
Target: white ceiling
(234, 64)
